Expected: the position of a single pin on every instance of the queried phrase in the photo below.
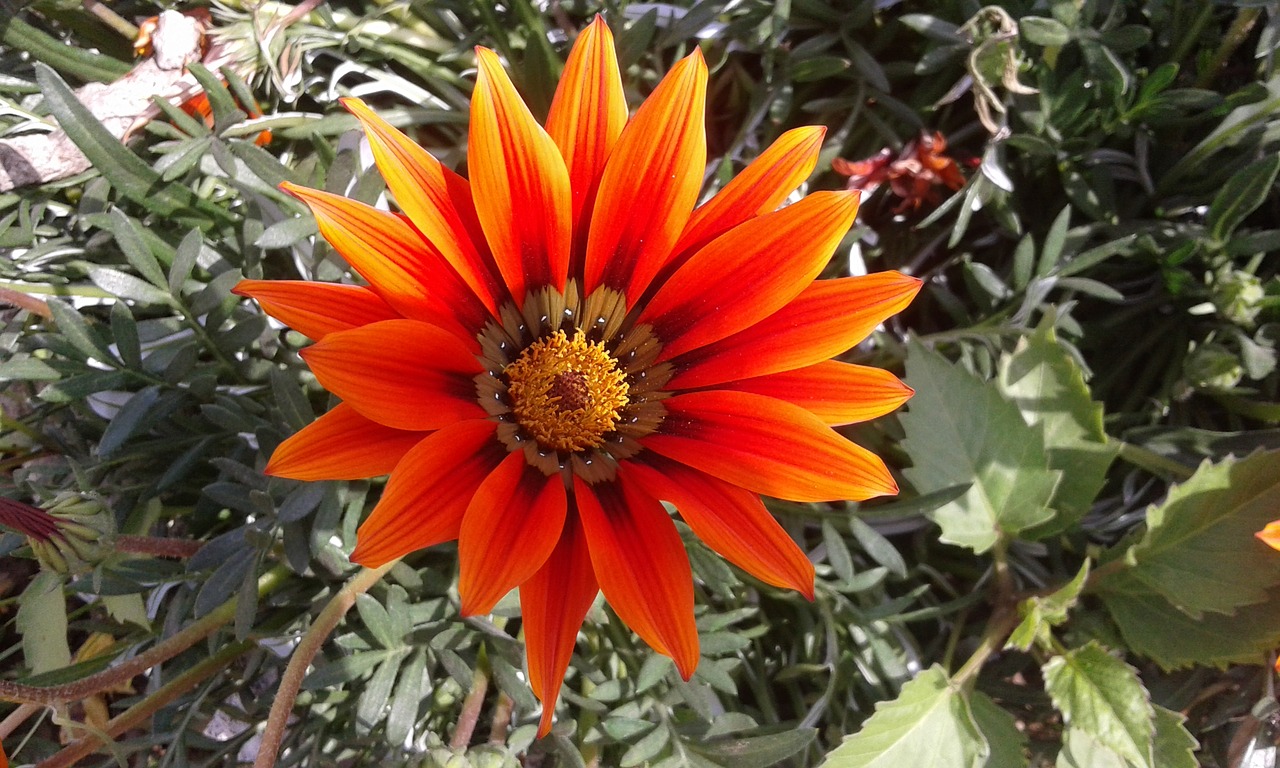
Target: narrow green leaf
(375, 694)
(42, 622)
(127, 286)
(377, 621)
(284, 233)
(125, 332)
(986, 443)
(1043, 31)
(128, 421)
(837, 552)
(184, 261)
(129, 237)
(72, 60)
(930, 723)
(646, 748)
(1103, 697)
(406, 699)
(748, 751)
(1243, 193)
(225, 111)
(73, 328)
(26, 368)
(1199, 551)
(878, 547)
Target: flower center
(566, 392)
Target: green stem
(471, 706)
(138, 713)
(1235, 37)
(1153, 462)
(157, 654)
(308, 647)
(998, 628)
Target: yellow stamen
(565, 392)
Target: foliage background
(1100, 317)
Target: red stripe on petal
(642, 567)
(769, 260)
(316, 309)
(402, 267)
(522, 184)
(650, 183)
(437, 201)
(400, 373)
(510, 528)
(428, 492)
(729, 519)
(586, 118)
(768, 446)
(759, 188)
(838, 393)
(553, 603)
(827, 318)
(341, 445)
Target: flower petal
(650, 183)
(770, 260)
(316, 309)
(827, 318)
(405, 270)
(587, 114)
(400, 373)
(437, 201)
(341, 445)
(511, 526)
(1270, 535)
(553, 603)
(428, 492)
(767, 446)
(518, 174)
(731, 520)
(642, 567)
(838, 393)
(758, 189)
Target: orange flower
(914, 174)
(548, 350)
(1270, 535)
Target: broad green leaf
(930, 723)
(1081, 750)
(1047, 385)
(1000, 729)
(1040, 614)
(765, 751)
(1247, 189)
(42, 622)
(1199, 550)
(1103, 697)
(960, 430)
(1175, 746)
(127, 608)
(1155, 628)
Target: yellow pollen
(566, 392)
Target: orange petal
(341, 445)
(520, 178)
(769, 259)
(838, 393)
(437, 201)
(553, 603)
(400, 266)
(400, 373)
(642, 567)
(650, 183)
(588, 113)
(767, 446)
(827, 318)
(1270, 535)
(731, 520)
(510, 528)
(759, 189)
(428, 492)
(316, 309)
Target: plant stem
(157, 654)
(138, 713)
(16, 718)
(471, 705)
(998, 628)
(159, 546)
(1153, 462)
(1241, 25)
(501, 719)
(308, 647)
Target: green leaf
(70, 59)
(184, 261)
(1048, 387)
(1199, 551)
(930, 723)
(1040, 614)
(960, 430)
(1000, 729)
(1243, 193)
(127, 608)
(128, 421)
(1080, 750)
(125, 170)
(42, 622)
(646, 748)
(127, 286)
(129, 237)
(1103, 697)
(376, 619)
(375, 694)
(1175, 746)
(74, 329)
(407, 699)
(1046, 32)
(125, 332)
(756, 751)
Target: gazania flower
(548, 351)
